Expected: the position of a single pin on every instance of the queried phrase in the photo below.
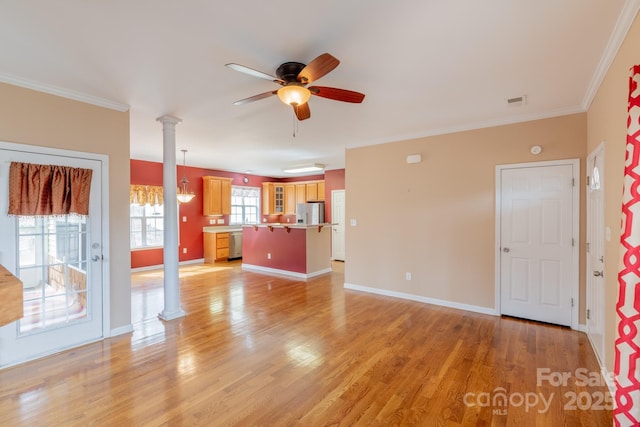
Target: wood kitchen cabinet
(281, 198)
(301, 193)
(272, 198)
(216, 198)
(216, 247)
(289, 199)
(320, 190)
(312, 191)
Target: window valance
(146, 194)
(36, 190)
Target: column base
(164, 315)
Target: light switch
(353, 222)
(184, 219)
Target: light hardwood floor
(264, 350)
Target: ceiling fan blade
(302, 111)
(337, 94)
(254, 73)
(317, 68)
(255, 97)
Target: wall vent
(517, 101)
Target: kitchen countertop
(222, 229)
(287, 225)
(231, 228)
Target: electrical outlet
(184, 250)
(353, 222)
(212, 222)
(269, 255)
(221, 221)
(184, 219)
(407, 275)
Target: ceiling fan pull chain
(295, 122)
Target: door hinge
(588, 313)
(588, 247)
(573, 241)
(571, 302)
(573, 182)
(588, 180)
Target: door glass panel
(52, 260)
(595, 179)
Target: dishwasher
(235, 244)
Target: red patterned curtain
(627, 344)
(48, 190)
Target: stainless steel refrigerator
(310, 213)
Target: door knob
(505, 249)
(598, 273)
(96, 258)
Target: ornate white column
(172, 308)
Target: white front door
(59, 261)
(337, 223)
(537, 242)
(595, 251)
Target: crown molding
(64, 93)
(475, 126)
(625, 20)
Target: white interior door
(537, 242)
(337, 222)
(595, 251)
(59, 261)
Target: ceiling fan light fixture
(310, 167)
(294, 94)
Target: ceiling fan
(294, 78)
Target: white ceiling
(426, 67)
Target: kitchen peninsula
(302, 251)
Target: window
(147, 225)
(245, 205)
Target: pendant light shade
(184, 195)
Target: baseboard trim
(419, 298)
(160, 266)
(121, 330)
(608, 379)
(269, 270)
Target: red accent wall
(302, 178)
(150, 173)
(333, 180)
(288, 250)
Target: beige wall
(436, 219)
(607, 121)
(34, 118)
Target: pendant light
(184, 196)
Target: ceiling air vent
(517, 101)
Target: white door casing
(595, 251)
(337, 223)
(537, 241)
(17, 342)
